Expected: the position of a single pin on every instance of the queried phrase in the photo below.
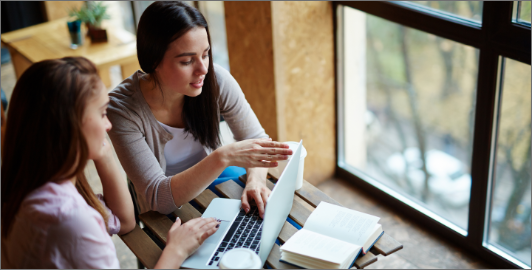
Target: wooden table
(51, 40)
(305, 201)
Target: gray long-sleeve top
(139, 140)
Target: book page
(318, 246)
(341, 223)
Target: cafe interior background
(404, 114)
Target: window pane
(466, 9)
(215, 14)
(523, 11)
(510, 212)
(409, 102)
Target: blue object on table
(76, 38)
(4, 100)
(6, 57)
(230, 173)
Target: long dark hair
(161, 24)
(44, 142)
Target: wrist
(257, 174)
(104, 159)
(221, 157)
(172, 257)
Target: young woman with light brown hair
(51, 218)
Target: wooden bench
(305, 201)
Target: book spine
(370, 246)
(356, 257)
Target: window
(510, 207)
(521, 12)
(434, 118)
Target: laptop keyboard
(245, 232)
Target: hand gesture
(254, 153)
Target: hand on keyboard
(244, 232)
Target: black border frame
(497, 36)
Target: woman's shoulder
(227, 83)
(126, 101)
(61, 228)
(126, 88)
(53, 203)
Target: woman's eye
(187, 63)
(205, 56)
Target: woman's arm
(115, 190)
(247, 153)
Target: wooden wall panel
(250, 47)
(282, 54)
(304, 68)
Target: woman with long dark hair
(50, 216)
(167, 117)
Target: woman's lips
(197, 84)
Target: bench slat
(142, 246)
(387, 245)
(186, 212)
(365, 260)
(313, 195)
(286, 232)
(205, 198)
(158, 223)
(310, 193)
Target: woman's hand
(184, 239)
(258, 191)
(254, 153)
(106, 152)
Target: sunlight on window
(409, 112)
(466, 9)
(510, 210)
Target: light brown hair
(44, 142)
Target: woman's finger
(265, 194)
(274, 151)
(197, 222)
(271, 144)
(258, 200)
(245, 203)
(262, 164)
(208, 233)
(208, 223)
(176, 224)
(270, 157)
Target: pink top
(56, 228)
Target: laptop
(250, 231)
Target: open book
(333, 237)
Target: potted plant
(92, 14)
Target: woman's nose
(202, 68)
(108, 124)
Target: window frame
(498, 35)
